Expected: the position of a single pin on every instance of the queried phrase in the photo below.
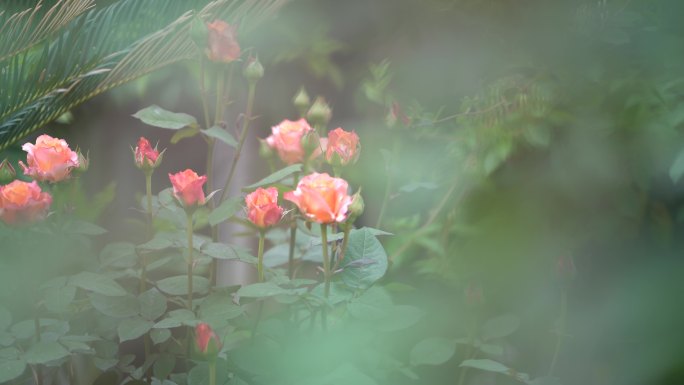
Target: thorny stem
(326, 258)
(243, 136)
(561, 330)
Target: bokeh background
(505, 135)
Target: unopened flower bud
(199, 33)
(301, 101)
(253, 71)
(320, 113)
(83, 162)
(265, 150)
(207, 342)
(7, 172)
(357, 206)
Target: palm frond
(102, 49)
(22, 30)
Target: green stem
(243, 136)
(345, 243)
(293, 238)
(212, 372)
(203, 92)
(190, 261)
(260, 255)
(561, 330)
(150, 219)
(326, 258)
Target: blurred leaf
(159, 242)
(97, 283)
(345, 374)
(119, 254)
(486, 364)
(159, 335)
(132, 328)
(221, 134)
(677, 167)
(152, 304)
(184, 133)
(45, 351)
(120, 306)
(372, 305)
(5, 318)
(400, 317)
(225, 210)
(176, 318)
(260, 290)
(432, 351)
(178, 285)
(491, 349)
(218, 308)
(159, 117)
(83, 227)
(11, 369)
(537, 135)
(365, 260)
(275, 177)
(411, 187)
(164, 365)
(499, 327)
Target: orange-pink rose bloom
(203, 336)
(321, 198)
(222, 44)
(187, 187)
(286, 139)
(50, 159)
(262, 207)
(23, 202)
(342, 147)
(145, 155)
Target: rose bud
(343, 147)
(253, 70)
(187, 188)
(50, 159)
(146, 157)
(321, 198)
(357, 206)
(320, 113)
(301, 101)
(83, 162)
(199, 33)
(262, 207)
(23, 202)
(206, 341)
(286, 139)
(7, 172)
(222, 43)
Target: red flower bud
(206, 341)
(146, 157)
(343, 147)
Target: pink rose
(286, 139)
(145, 155)
(262, 207)
(206, 341)
(187, 187)
(50, 159)
(321, 198)
(342, 148)
(23, 202)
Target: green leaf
(432, 351)
(119, 307)
(400, 317)
(97, 283)
(365, 260)
(677, 167)
(132, 328)
(159, 117)
(164, 365)
(178, 285)
(152, 304)
(176, 318)
(11, 369)
(221, 134)
(275, 177)
(218, 308)
(119, 255)
(499, 327)
(83, 227)
(45, 351)
(159, 242)
(373, 305)
(486, 364)
(220, 251)
(160, 335)
(225, 211)
(494, 350)
(260, 290)
(184, 133)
